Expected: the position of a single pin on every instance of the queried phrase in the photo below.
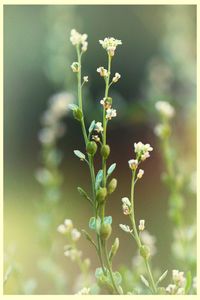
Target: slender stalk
(136, 235)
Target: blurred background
(157, 61)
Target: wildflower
(171, 288)
(84, 291)
(116, 77)
(126, 201)
(68, 224)
(142, 150)
(98, 127)
(110, 45)
(103, 72)
(133, 164)
(110, 113)
(125, 228)
(106, 102)
(75, 234)
(85, 78)
(96, 138)
(141, 225)
(178, 278)
(180, 291)
(84, 46)
(76, 38)
(140, 173)
(72, 253)
(165, 109)
(126, 206)
(75, 67)
(61, 229)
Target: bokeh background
(157, 61)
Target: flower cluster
(84, 291)
(110, 45)
(178, 286)
(51, 119)
(78, 39)
(165, 109)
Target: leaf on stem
(88, 237)
(84, 195)
(108, 220)
(79, 154)
(144, 280)
(99, 178)
(73, 106)
(111, 169)
(188, 282)
(91, 126)
(162, 277)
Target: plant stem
(136, 235)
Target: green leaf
(88, 237)
(145, 281)
(91, 126)
(84, 195)
(73, 106)
(162, 277)
(108, 220)
(111, 169)
(95, 224)
(99, 178)
(117, 277)
(188, 282)
(79, 154)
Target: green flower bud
(145, 251)
(77, 113)
(112, 186)
(101, 194)
(91, 148)
(114, 249)
(105, 151)
(105, 231)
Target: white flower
(141, 225)
(72, 253)
(133, 163)
(140, 173)
(116, 77)
(61, 229)
(106, 104)
(85, 78)
(165, 109)
(46, 136)
(159, 130)
(110, 45)
(68, 224)
(76, 38)
(75, 234)
(75, 67)
(171, 288)
(142, 150)
(126, 201)
(84, 46)
(178, 278)
(110, 113)
(125, 228)
(98, 127)
(58, 104)
(96, 138)
(84, 291)
(126, 206)
(103, 72)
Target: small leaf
(98, 272)
(188, 282)
(84, 194)
(117, 277)
(95, 224)
(79, 154)
(88, 237)
(108, 220)
(111, 169)
(162, 277)
(99, 178)
(91, 126)
(73, 106)
(144, 280)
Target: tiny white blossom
(171, 288)
(110, 45)
(72, 253)
(84, 46)
(140, 173)
(85, 78)
(105, 103)
(102, 71)
(116, 77)
(178, 278)
(76, 39)
(75, 67)
(141, 225)
(98, 127)
(84, 291)
(133, 164)
(165, 109)
(61, 229)
(110, 113)
(126, 201)
(68, 224)
(125, 228)
(75, 234)
(96, 138)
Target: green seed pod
(145, 251)
(112, 186)
(101, 194)
(77, 113)
(105, 151)
(105, 231)
(91, 148)
(114, 249)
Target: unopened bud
(105, 231)
(114, 248)
(105, 151)
(77, 113)
(101, 194)
(112, 186)
(145, 251)
(91, 148)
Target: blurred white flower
(85, 78)
(103, 72)
(125, 228)
(75, 67)
(46, 136)
(116, 77)
(149, 240)
(75, 234)
(62, 229)
(178, 278)
(76, 38)
(84, 291)
(165, 109)
(133, 164)
(171, 288)
(140, 173)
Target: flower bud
(77, 113)
(105, 151)
(101, 194)
(91, 148)
(112, 186)
(105, 231)
(145, 251)
(114, 248)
